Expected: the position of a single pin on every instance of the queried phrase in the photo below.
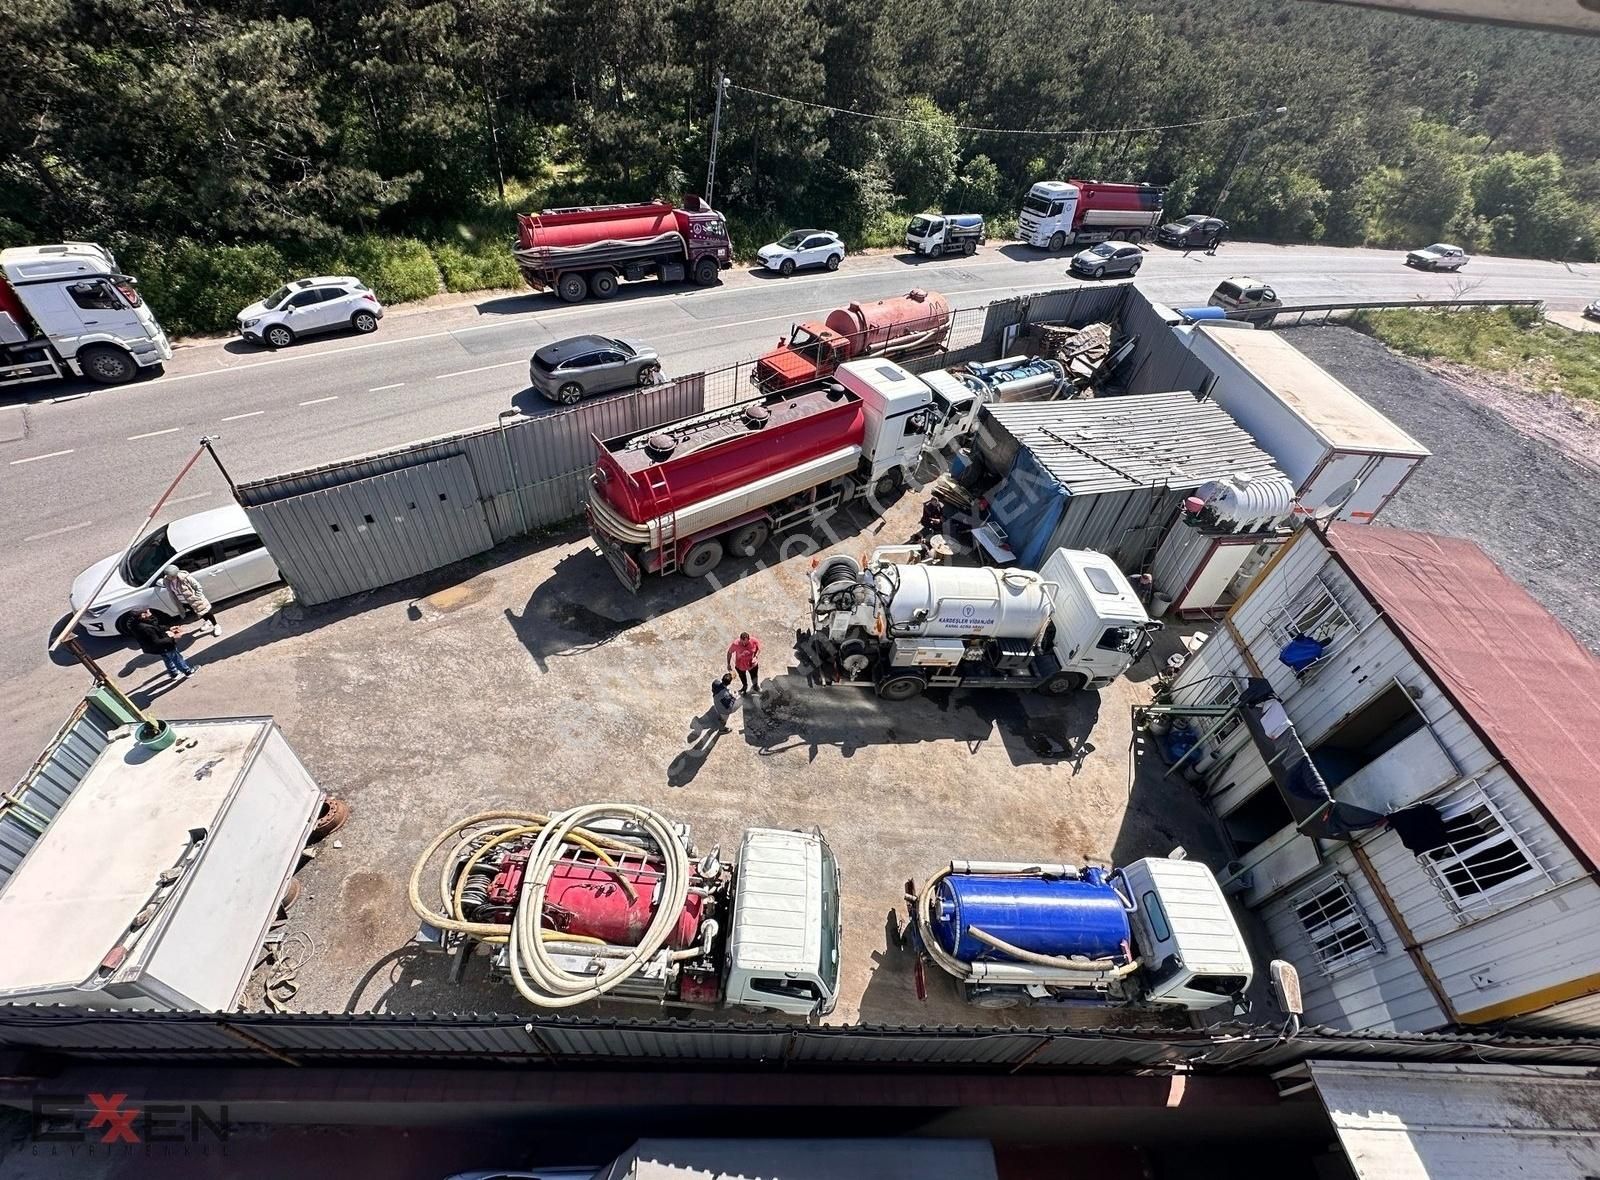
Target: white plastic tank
(940, 601)
(1244, 499)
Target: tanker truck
(1057, 214)
(908, 325)
(901, 627)
(1156, 933)
(932, 234)
(681, 496)
(612, 900)
(68, 311)
(588, 249)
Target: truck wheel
(990, 998)
(705, 271)
(105, 364)
(278, 336)
(1134, 237)
(572, 288)
(364, 322)
(786, 267)
(702, 558)
(1058, 241)
(834, 260)
(602, 284)
(890, 484)
(969, 247)
(1063, 683)
(901, 686)
(747, 542)
(570, 394)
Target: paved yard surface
(533, 680)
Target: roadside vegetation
(1514, 342)
(220, 149)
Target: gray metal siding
(42, 792)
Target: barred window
(1484, 857)
(1340, 933)
(1228, 694)
(1314, 612)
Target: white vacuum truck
(902, 627)
(1157, 933)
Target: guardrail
(1299, 310)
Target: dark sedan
(1194, 232)
(580, 366)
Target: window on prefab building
(1315, 612)
(1340, 933)
(1485, 857)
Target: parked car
(1108, 258)
(306, 307)
(1593, 310)
(1438, 256)
(803, 247)
(1194, 232)
(220, 548)
(1247, 295)
(580, 366)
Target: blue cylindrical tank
(1203, 313)
(1043, 915)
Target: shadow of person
(704, 732)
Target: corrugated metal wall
(375, 519)
(1162, 361)
(29, 807)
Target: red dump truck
(588, 249)
(912, 324)
(1061, 213)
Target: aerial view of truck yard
(978, 636)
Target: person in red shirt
(744, 657)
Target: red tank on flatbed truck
(912, 324)
(588, 249)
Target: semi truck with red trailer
(1060, 213)
(588, 250)
(684, 495)
(913, 324)
(67, 310)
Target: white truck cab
(783, 950)
(66, 310)
(1101, 627)
(1192, 951)
(931, 234)
(901, 415)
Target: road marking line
(186, 499)
(82, 524)
(317, 401)
(236, 417)
(381, 388)
(36, 458)
(480, 369)
(154, 433)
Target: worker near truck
(155, 638)
(744, 657)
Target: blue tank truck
(1156, 933)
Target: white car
(220, 548)
(1438, 256)
(803, 247)
(305, 307)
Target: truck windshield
(1038, 205)
(829, 967)
(146, 557)
(920, 227)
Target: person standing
(190, 595)
(155, 638)
(744, 657)
(722, 700)
(1216, 240)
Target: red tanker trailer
(912, 324)
(686, 494)
(588, 249)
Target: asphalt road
(80, 466)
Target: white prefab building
(1441, 682)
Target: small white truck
(68, 311)
(1156, 933)
(931, 234)
(901, 627)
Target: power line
(1058, 133)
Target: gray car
(581, 366)
(1108, 258)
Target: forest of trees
(220, 147)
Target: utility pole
(716, 129)
(1244, 150)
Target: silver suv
(305, 307)
(580, 366)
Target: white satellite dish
(1336, 500)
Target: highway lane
(80, 468)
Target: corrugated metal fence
(30, 806)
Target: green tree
(921, 156)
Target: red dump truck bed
(586, 249)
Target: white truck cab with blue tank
(931, 234)
(1156, 933)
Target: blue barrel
(1038, 914)
(1203, 313)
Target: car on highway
(1243, 294)
(1108, 258)
(221, 548)
(1194, 232)
(306, 307)
(802, 247)
(1438, 256)
(1592, 311)
(581, 366)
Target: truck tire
(1058, 241)
(990, 998)
(786, 267)
(889, 486)
(602, 284)
(901, 686)
(572, 287)
(702, 558)
(969, 248)
(1135, 236)
(705, 271)
(278, 336)
(106, 364)
(833, 261)
(748, 540)
(364, 322)
(1063, 684)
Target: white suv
(304, 307)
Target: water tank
(1048, 916)
(1191, 314)
(1245, 499)
(951, 602)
